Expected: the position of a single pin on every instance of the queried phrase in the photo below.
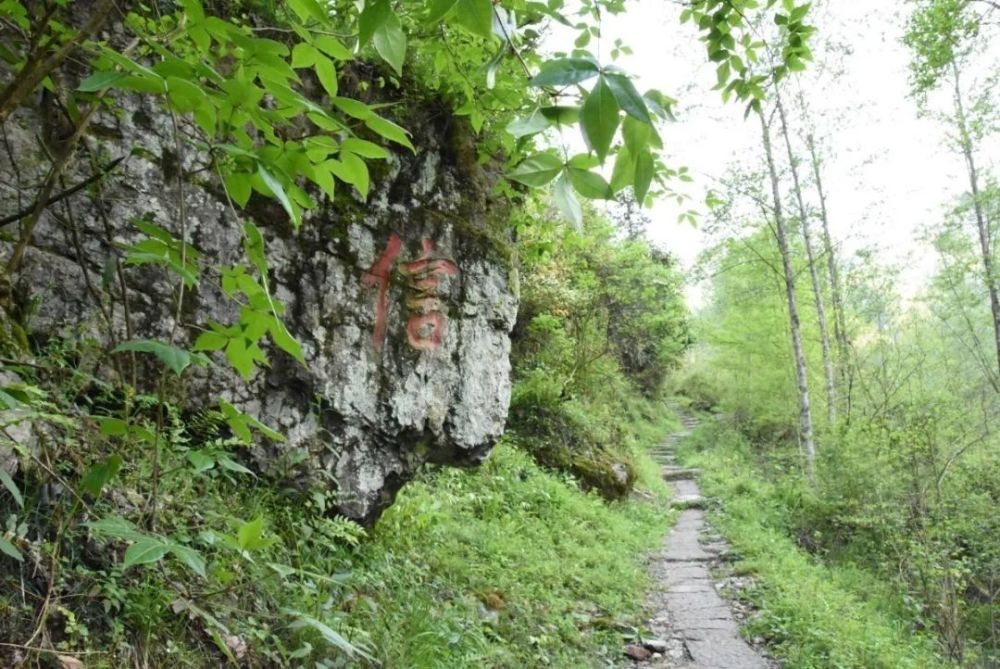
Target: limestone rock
(655, 645)
(403, 304)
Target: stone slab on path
(696, 623)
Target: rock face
(402, 304)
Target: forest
(499, 333)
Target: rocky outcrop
(403, 304)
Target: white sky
(888, 172)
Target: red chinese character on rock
(378, 275)
(425, 327)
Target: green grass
(813, 615)
(506, 566)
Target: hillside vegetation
(331, 336)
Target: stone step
(683, 502)
(673, 473)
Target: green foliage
(730, 31)
(905, 489)
(499, 566)
(508, 566)
(601, 322)
(939, 34)
(743, 360)
(222, 569)
(189, 558)
(812, 615)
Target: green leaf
(639, 136)
(628, 97)
(239, 358)
(8, 483)
(306, 9)
(567, 203)
(253, 244)
(476, 16)
(565, 72)
(185, 95)
(590, 184)
(240, 423)
(210, 341)
(599, 118)
(537, 170)
(329, 635)
(250, 535)
(348, 171)
(100, 475)
(364, 148)
(353, 108)
(152, 86)
(98, 81)
(390, 43)
(584, 161)
(528, 125)
(238, 186)
(304, 55)
(561, 115)
(8, 400)
(375, 13)
(624, 170)
(324, 179)
(333, 47)
(231, 465)
(644, 168)
(278, 191)
(193, 9)
(117, 527)
(285, 341)
(190, 558)
(390, 131)
(10, 549)
(146, 550)
(440, 9)
(176, 359)
(327, 74)
(200, 460)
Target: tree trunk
(805, 411)
(982, 224)
(839, 315)
(824, 333)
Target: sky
(888, 172)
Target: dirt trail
(695, 624)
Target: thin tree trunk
(982, 224)
(839, 315)
(824, 333)
(805, 411)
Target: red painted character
(378, 275)
(425, 326)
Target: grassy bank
(813, 615)
(507, 566)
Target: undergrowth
(506, 566)
(812, 615)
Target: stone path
(695, 625)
